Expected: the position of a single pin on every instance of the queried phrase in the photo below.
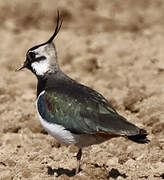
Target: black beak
(22, 67)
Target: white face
(42, 59)
(48, 55)
(41, 67)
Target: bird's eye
(31, 55)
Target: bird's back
(82, 110)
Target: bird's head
(42, 58)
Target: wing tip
(141, 137)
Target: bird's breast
(57, 131)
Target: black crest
(30, 54)
(57, 29)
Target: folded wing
(86, 117)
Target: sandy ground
(115, 47)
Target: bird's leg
(78, 156)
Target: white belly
(57, 131)
(66, 137)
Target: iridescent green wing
(85, 115)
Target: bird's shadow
(114, 173)
(60, 171)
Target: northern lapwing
(69, 111)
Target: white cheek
(41, 67)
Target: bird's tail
(140, 138)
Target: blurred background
(115, 47)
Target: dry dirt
(115, 47)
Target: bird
(73, 113)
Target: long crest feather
(57, 29)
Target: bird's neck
(41, 84)
(51, 80)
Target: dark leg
(78, 156)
